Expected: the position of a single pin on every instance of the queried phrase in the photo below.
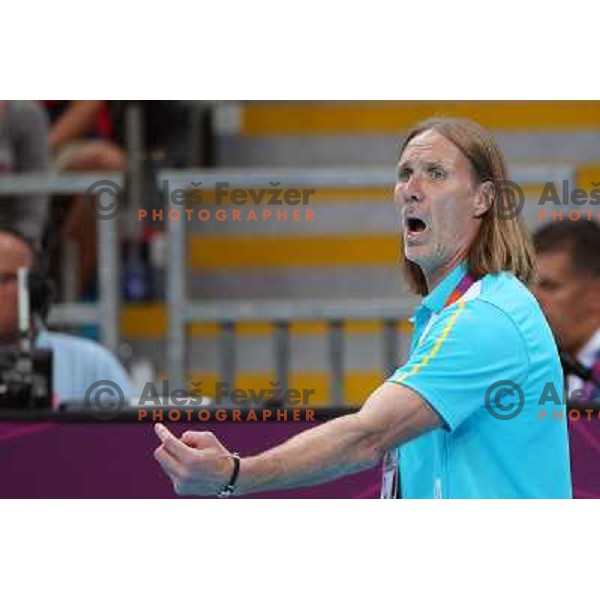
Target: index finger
(174, 446)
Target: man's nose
(413, 190)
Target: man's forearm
(199, 464)
(337, 448)
(78, 118)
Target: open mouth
(414, 225)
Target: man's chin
(416, 254)
(423, 258)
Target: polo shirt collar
(436, 299)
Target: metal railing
(181, 312)
(390, 312)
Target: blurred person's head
(15, 253)
(449, 177)
(568, 284)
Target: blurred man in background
(568, 255)
(24, 149)
(78, 362)
(568, 289)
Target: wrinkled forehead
(432, 147)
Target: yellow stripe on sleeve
(436, 346)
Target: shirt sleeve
(469, 348)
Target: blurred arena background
(260, 304)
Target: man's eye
(549, 286)
(437, 173)
(404, 175)
(6, 278)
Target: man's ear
(484, 199)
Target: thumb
(199, 439)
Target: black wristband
(227, 490)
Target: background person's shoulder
(77, 347)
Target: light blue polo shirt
(79, 363)
(497, 332)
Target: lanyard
(460, 290)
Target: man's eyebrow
(548, 280)
(441, 162)
(428, 163)
(6, 276)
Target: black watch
(227, 490)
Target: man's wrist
(229, 488)
(257, 475)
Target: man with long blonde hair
(461, 418)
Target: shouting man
(461, 419)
